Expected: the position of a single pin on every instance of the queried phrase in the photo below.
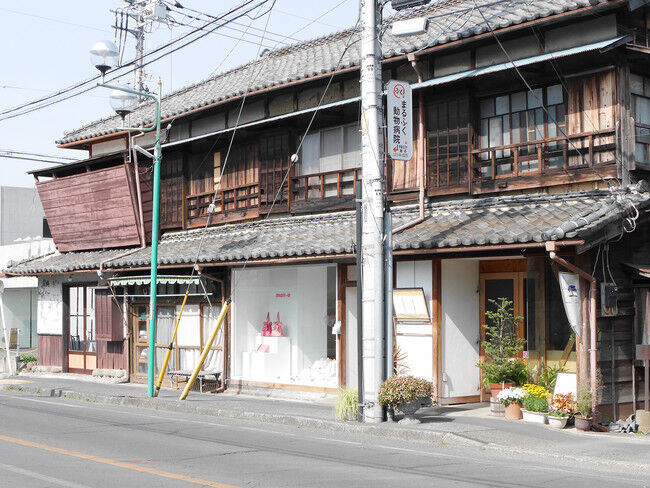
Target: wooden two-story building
(532, 145)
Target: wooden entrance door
(82, 343)
(506, 284)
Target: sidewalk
(469, 425)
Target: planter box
(534, 417)
(583, 423)
(495, 388)
(496, 408)
(557, 422)
(513, 411)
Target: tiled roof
(472, 222)
(449, 20)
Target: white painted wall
(351, 370)
(460, 327)
(50, 305)
(418, 343)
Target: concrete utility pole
(144, 13)
(373, 211)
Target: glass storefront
(548, 333)
(282, 325)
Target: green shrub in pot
(534, 403)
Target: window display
(282, 325)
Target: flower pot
(557, 422)
(409, 409)
(583, 423)
(513, 411)
(495, 388)
(534, 417)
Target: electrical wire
(49, 156)
(541, 102)
(4, 113)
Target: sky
(44, 47)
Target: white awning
(162, 280)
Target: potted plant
(560, 410)
(583, 415)
(406, 394)
(535, 404)
(502, 346)
(511, 399)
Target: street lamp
(123, 102)
(104, 56)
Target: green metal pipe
(153, 285)
(154, 252)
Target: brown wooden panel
(90, 210)
(112, 355)
(502, 265)
(50, 349)
(108, 317)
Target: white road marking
(49, 403)
(42, 477)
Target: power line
(132, 62)
(48, 161)
(22, 153)
(541, 102)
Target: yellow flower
(536, 390)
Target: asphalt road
(50, 442)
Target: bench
(201, 377)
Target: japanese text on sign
(399, 112)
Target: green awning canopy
(162, 280)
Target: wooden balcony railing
(545, 155)
(240, 197)
(330, 184)
(334, 189)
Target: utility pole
(373, 211)
(144, 13)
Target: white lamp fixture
(410, 27)
(104, 56)
(123, 102)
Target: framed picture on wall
(410, 305)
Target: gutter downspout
(420, 163)
(593, 327)
(143, 237)
(141, 231)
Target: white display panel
(299, 295)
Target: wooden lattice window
(447, 142)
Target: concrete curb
(387, 431)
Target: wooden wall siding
(112, 355)
(90, 210)
(448, 144)
(108, 317)
(50, 349)
(592, 107)
(171, 191)
(403, 175)
(146, 195)
(274, 154)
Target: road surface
(51, 442)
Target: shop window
(82, 319)
(303, 300)
(332, 149)
(196, 324)
(547, 328)
(512, 119)
(640, 88)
